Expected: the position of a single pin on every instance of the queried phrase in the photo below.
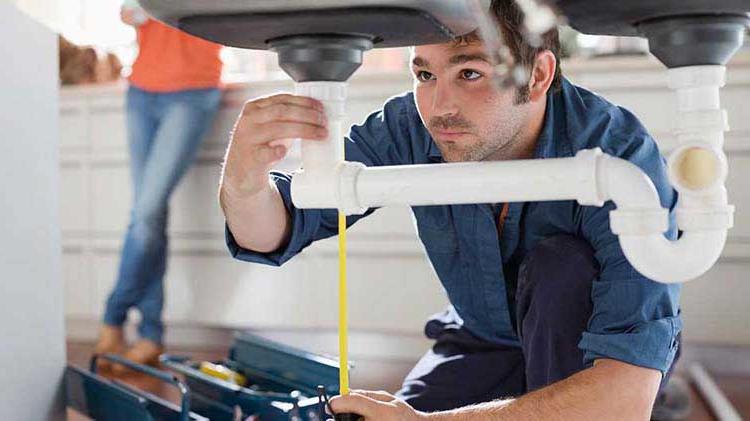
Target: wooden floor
(736, 388)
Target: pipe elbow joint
(639, 210)
(334, 188)
(348, 197)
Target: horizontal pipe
(483, 182)
(625, 184)
(590, 178)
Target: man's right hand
(252, 205)
(262, 136)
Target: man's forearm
(258, 222)
(610, 390)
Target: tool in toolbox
(283, 384)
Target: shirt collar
(544, 144)
(551, 142)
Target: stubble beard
(487, 148)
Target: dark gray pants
(462, 369)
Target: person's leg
(553, 303)
(553, 307)
(182, 122)
(141, 124)
(461, 369)
(185, 118)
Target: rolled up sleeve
(306, 226)
(635, 319)
(382, 139)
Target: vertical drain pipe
(320, 65)
(697, 170)
(321, 160)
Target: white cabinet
(204, 285)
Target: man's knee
(554, 306)
(558, 273)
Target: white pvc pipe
(313, 185)
(642, 241)
(590, 177)
(325, 154)
(666, 261)
(717, 401)
(482, 182)
(625, 184)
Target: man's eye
(470, 75)
(423, 76)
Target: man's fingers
(267, 155)
(286, 143)
(288, 113)
(261, 136)
(378, 395)
(302, 101)
(287, 130)
(355, 403)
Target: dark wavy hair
(509, 19)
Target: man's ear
(542, 75)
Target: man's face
(468, 116)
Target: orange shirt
(171, 60)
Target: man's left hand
(380, 406)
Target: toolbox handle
(153, 372)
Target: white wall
(32, 349)
(392, 286)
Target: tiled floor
(736, 388)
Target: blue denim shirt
(634, 319)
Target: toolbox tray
(103, 399)
(282, 380)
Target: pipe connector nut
(347, 189)
(639, 221)
(711, 219)
(589, 161)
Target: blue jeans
(164, 134)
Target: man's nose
(443, 101)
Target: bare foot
(111, 341)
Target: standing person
(171, 103)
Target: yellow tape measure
(343, 308)
(343, 335)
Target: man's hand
(376, 406)
(255, 212)
(261, 138)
